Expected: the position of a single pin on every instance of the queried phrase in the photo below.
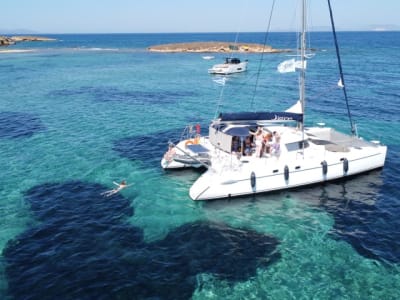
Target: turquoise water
(87, 110)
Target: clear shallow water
(87, 110)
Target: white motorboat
(231, 66)
(257, 152)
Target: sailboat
(246, 153)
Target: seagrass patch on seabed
(147, 148)
(113, 94)
(83, 248)
(19, 124)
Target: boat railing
(190, 132)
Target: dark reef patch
(19, 124)
(83, 248)
(107, 94)
(137, 147)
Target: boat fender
(253, 180)
(345, 165)
(324, 167)
(286, 173)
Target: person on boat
(276, 139)
(248, 146)
(198, 129)
(119, 187)
(169, 155)
(267, 141)
(258, 135)
(235, 144)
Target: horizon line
(196, 32)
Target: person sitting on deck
(235, 144)
(248, 147)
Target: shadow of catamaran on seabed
(365, 210)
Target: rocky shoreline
(7, 41)
(215, 47)
(191, 47)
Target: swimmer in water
(119, 187)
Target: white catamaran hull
(261, 176)
(329, 155)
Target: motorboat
(230, 66)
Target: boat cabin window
(297, 146)
(233, 61)
(219, 127)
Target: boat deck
(331, 137)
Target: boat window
(219, 126)
(241, 131)
(235, 61)
(297, 146)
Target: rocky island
(215, 47)
(6, 41)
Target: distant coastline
(215, 47)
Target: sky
(163, 16)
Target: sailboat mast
(302, 55)
(303, 67)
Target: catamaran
(258, 152)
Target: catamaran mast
(302, 55)
(303, 67)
